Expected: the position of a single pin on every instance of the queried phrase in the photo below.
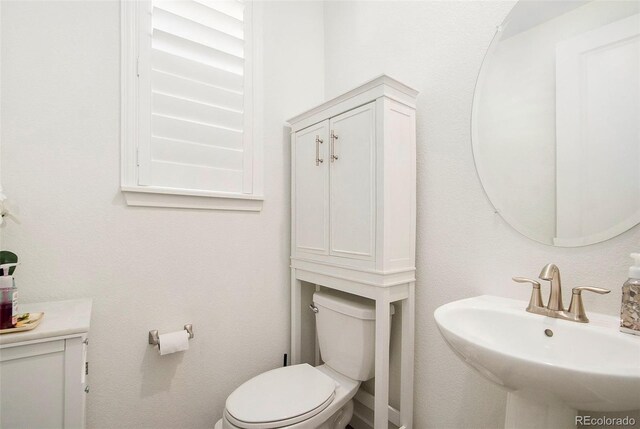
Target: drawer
(22, 351)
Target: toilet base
(340, 419)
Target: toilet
(307, 397)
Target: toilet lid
(281, 395)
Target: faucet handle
(599, 290)
(576, 308)
(534, 283)
(536, 297)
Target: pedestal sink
(550, 367)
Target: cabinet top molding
(381, 86)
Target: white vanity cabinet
(353, 201)
(43, 372)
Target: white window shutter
(195, 101)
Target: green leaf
(7, 257)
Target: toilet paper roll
(173, 342)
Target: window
(190, 123)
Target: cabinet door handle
(318, 143)
(334, 137)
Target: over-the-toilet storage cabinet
(354, 187)
(354, 212)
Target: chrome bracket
(154, 338)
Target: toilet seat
(280, 397)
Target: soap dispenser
(630, 309)
(8, 297)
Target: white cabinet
(353, 191)
(354, 181)
(43, 372)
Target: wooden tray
(30, 323)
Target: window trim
(156, 196)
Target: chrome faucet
(554, 307)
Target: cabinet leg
(317, 344)
(381, 402)
(296, 318)
(407, 359)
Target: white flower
(8, 209)
(3, 210)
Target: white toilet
(304, 397)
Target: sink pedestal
(525, 413)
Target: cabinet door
(33, 386)
(311, 189)
(352, 178)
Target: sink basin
(581, 366)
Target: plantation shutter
(195, 130)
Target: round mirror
(556, 120)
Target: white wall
(227, 273)
(464, 249)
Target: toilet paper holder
(154, 338)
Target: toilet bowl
(296, 397)
(307, 397)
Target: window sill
(148, 196)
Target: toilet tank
(346, 333)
